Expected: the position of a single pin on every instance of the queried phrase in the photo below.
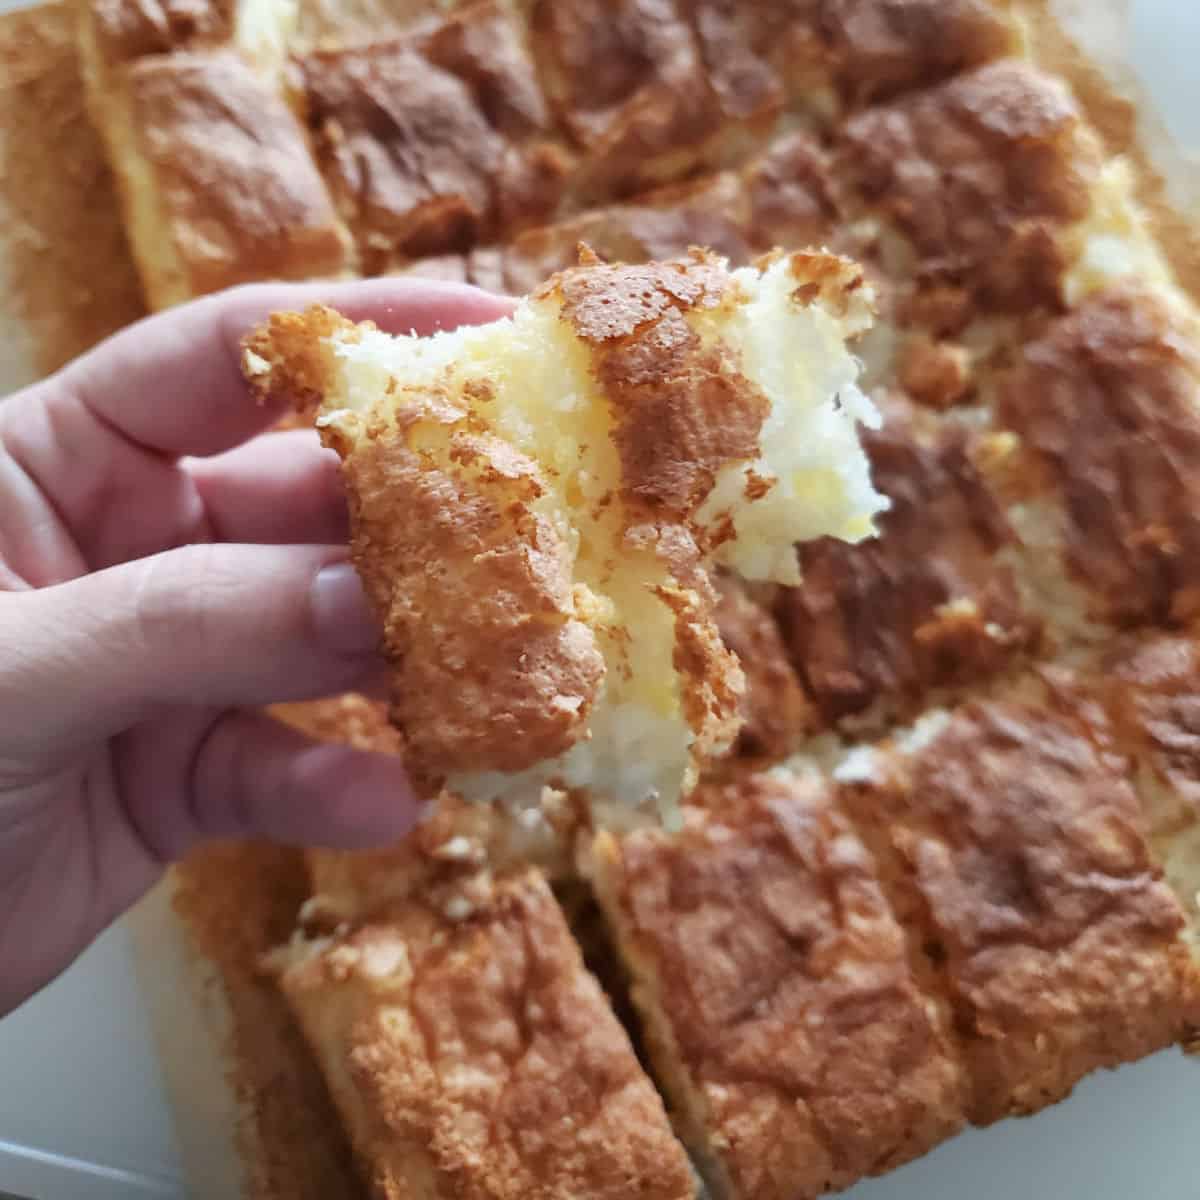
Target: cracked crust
(127, 29)
(929, 603)
(982, 175)
(776, 996)
(409, 154)
(629, 83)
(1014, 851)
(480, 1059)
(660, 225)
(1106, 403)
(435, 139)
(863, 49)
(782, 197)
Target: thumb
(215, 625)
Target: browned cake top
(1016, 851)
(1152, 688)
(658, 226)
(883, 45)
(989, 160)
(489, 1050)
(483, 46)
(790, 194)
(924, 605)
(630, 86)
(127, 29)
(241, 195)
(681, 414)
(1107, 401)
(463, 704)
(435, 136)
(409, 150)
(866, 48)
(735, 54)
(602, 57)
(784, 980)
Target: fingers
(172, 383)
(216, 625)
(75, 495)
(87, 477)
(244, 775)
(123, 503)
(277, 488)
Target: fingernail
(342, 616)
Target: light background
(83, 1114)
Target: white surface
(82, 1110)
(79, 1080)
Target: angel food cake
(536, 504)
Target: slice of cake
(480, 1058)
(215, 177)
(536, 504)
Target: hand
(163, 571)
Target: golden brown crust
(507, 601)
(69, 279)
(491, 668)
(1152, 689)
(435, 139)
(409, 155)
(790, 195)
(925, 605)
(730, 47)
(238, 192)
(883, 46)
(681, 412)
(628, 84)
(777, 995)
(479, 1059)
(1107, 403)
(1014, 850)
(236, 903)
(128, 29)
(780, 199)
(981, 174)
(861, 49)
(660, 225)
(482, 46)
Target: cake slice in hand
(536, 503)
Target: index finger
(173, 382)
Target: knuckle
(175, 599)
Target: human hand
(163, 571)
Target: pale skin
(167, 568)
